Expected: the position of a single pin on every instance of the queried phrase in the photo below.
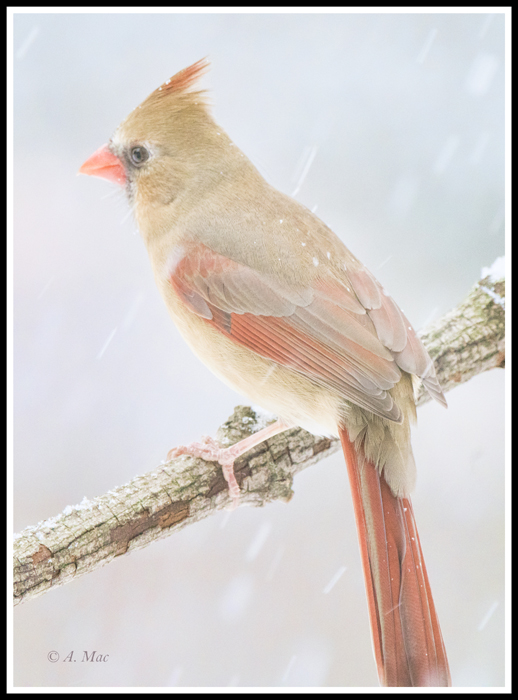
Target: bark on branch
(466, 341)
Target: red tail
(407, 639)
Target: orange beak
(104, 164)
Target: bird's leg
(209, 450)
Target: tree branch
(466, 341)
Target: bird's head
(163, 144)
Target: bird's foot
(209, 450)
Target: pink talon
(209, 450)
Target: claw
(209, 450)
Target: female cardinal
(277, 307)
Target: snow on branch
(468, 340)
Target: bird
(274, 303)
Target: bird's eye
(139, 155)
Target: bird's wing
(352, 337)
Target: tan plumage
(275, 305)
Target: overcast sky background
(401, 120)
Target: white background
(403, 115)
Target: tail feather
(407, 639)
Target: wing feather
(346, 334)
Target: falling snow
(46, 287)
(383, 265)
(481, 74)
(485, 26)
(304, 165)
(288, 668)
(132, 312)
(174, 677)
(446, 154)
(108, 341)
(236, 597)
(258, 541)
(334, 580)
(22, 51)
(427, 46)
(275, 564)
(487, 616)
